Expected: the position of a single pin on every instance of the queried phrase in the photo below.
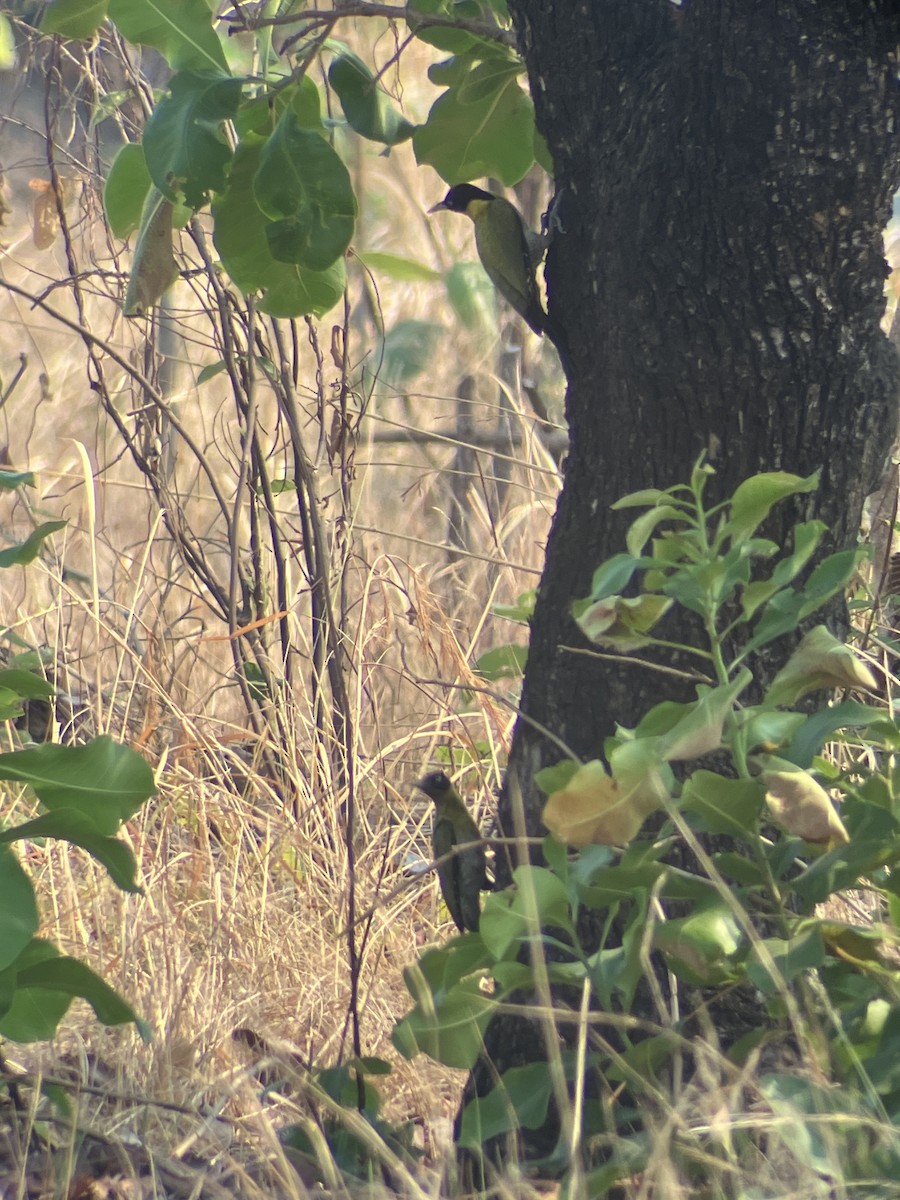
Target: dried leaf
(802, 807)
(820, 661)
(44, 214)
(595, 808)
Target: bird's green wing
(471, 881)
(503, 250)
(443, 839)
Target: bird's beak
(437, 207)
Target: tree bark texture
(726, 170)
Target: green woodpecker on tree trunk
(458, 851)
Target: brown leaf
(802, 807)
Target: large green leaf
(125, 190)
(104, 780)
(10, 480)
(74, 18)
(240, 238)
(18, 910)
(519, 1100)
(33, 1013)
(755, 497)
(304, 189)
(729, 806)
(79, 829)
(75, 978)
(492, 134)
(181, 31)
(367, 107)
(450, 1029)
(27, 551)
(184, 145)
(26, 684)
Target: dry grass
(242, 924)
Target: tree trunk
(726, 170)
(726, 173)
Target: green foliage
(346, 1124)
(747, 916)
(258, 150)
(87, 792)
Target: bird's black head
(434, 785)
(460, 197)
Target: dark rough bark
(727, 170)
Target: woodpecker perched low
(458, 850)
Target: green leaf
(698, 947)
(304, 188)
(74, 18)
(8, 55)
(28, 550)
(621, 622)
(830, 577)
(104, 780)
(610, 885)
(449, 1028)
(487, 79)
(18, 910)
(182, 32)
(509, 916)
(9, 480)
(615, 574)
(491, 137)
(75, 978)
(646, 497)
(726, 806)
(803, 952)
(472, 295)
(79, 829)
(395, 266)
(642, 529)
(34, 1013)
(26, 684)
(186, 151)
(819, 726)
(367, 107)
(240, 238)
(554, 779)
(502, 662)
(522, 611)
(126, 189)
(700, 731)
(819, 662)
(519, 1100)
(755, 497)
(769, 729)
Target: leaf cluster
(790, 829)
(259, 148)
(86, 793)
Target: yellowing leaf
(802, 807)
(820, 661)
(153, 270)
(595, 808)
(620, 621)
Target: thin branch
(366, 8)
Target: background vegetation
(214, 466)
